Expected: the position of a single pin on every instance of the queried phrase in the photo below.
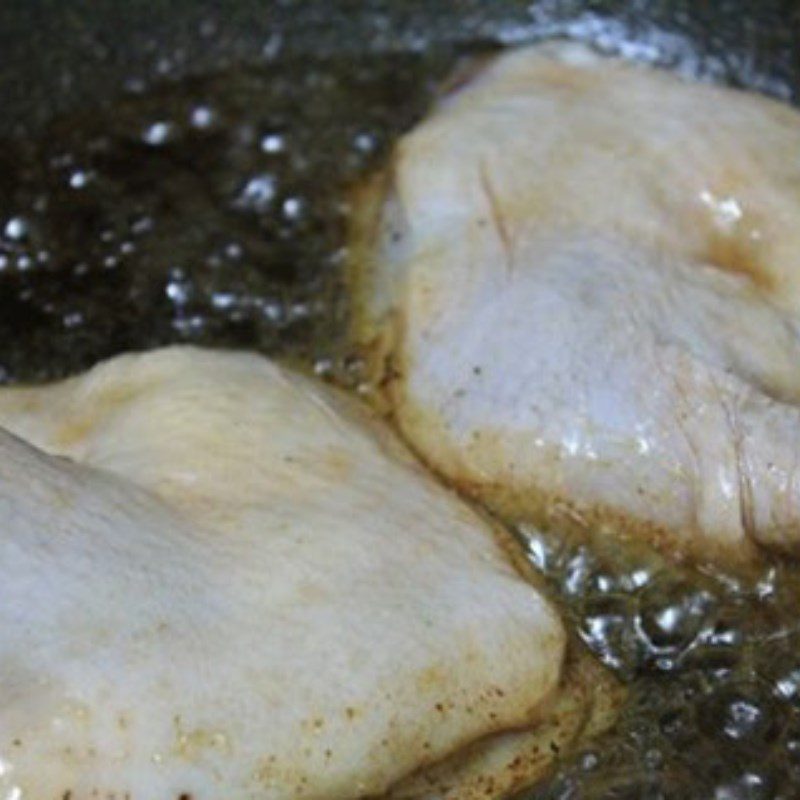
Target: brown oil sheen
(207, 211)
(213, 211)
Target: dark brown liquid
(212, 211)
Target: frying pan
(59, 56)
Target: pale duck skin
(579, 280)
(221, 579)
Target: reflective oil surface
(213, 211)
(712, 660)
(209, 211)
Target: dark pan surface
(57, 53)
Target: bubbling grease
(712, 660)
(207, 211)
(213, 211)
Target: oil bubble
(741, 714)
(671, 616)
(16, 229)
(158, 133)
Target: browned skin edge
(586, 706)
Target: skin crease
(220, 579)
(578, 279)
(501, 765)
